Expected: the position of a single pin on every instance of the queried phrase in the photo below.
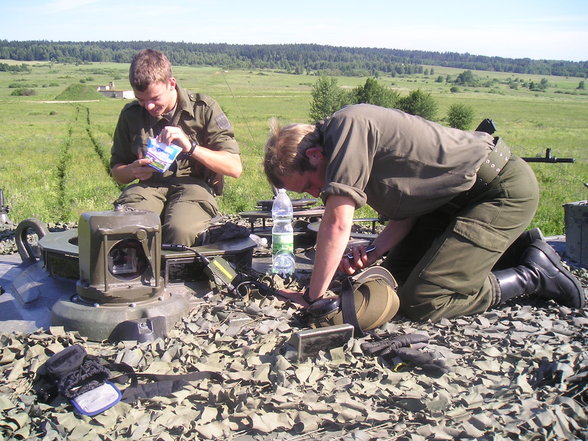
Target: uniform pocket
(465, 256)
(481, 234)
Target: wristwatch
(194, 145)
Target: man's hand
(221, 162)
(294, 296)
(138, 169)
(175, 135)
(359, 258)
(141, 170)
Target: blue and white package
(97, 400)
(162, 155)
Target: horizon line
(297, 44)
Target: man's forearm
(391, 236)
(332, 240)
(139, 169)
(225, 163)
(122, 173)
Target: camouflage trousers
(444, 265)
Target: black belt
(494, 163)
(490, 168)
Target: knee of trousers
(186, 218)
(184, 233)
(423, 300)
(428, 301)
(141, 198)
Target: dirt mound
(79, 92)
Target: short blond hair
(285, 150)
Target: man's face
(311, 181)
(308, 182)
(158, 98)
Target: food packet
(162, 155)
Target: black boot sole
(578, 299)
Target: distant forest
(291, 58)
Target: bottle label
(282, 243)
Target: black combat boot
(540, 273)
(512, 256)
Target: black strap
(161, 385)
(348, 306)
(194, 145)
(164, 385)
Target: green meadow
(56, 139)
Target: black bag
(226, 231)
(72, 372)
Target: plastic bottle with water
(282, 235)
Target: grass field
(54, 155)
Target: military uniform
(184, 194)
(470, 196)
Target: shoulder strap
(161, 385)
(348, 306)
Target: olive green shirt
(199, 116)
(399, 164)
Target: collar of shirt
(183, 104)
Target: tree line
(328, 97)
(292, 58)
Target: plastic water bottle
(282, 235)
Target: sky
(539, 29)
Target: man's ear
(172, 83)
(314, 154)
